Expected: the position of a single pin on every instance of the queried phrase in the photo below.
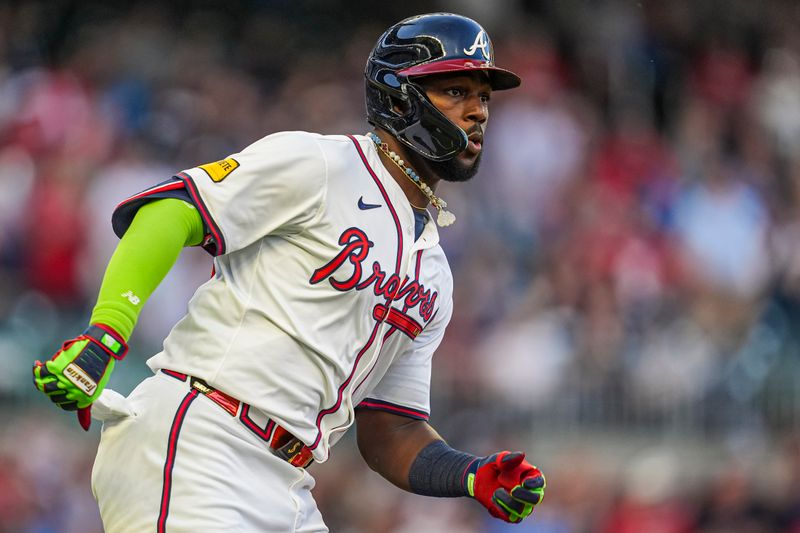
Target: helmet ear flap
(399, 105)
(427, 130)
(416, 122)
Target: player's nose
(477, 110)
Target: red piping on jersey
(389, 299)
(388, 334)
(169, 464)
(407, 305)
(405, 310)
(160, 188)
(377, 181)
(191, 188)
(416, 275)
(393, 408)
(176, 375)
(265, 432)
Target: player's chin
(464, 166)
(461, 168)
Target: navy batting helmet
(418, 46)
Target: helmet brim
(499, 78)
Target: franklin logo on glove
(80, 378)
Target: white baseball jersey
(321, 300)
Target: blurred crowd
(627, 261)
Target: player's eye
(455, 92)
(486, 97)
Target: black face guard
(426, 130)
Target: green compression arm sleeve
(145, 254)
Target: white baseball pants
(171, 460)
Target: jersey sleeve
(172, 188)
(275, 186)
(405, 388)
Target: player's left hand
(77, 374)
(507, 485)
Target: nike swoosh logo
(364, 207)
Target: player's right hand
(77, 374)
(507, 485)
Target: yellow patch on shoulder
(219, 170)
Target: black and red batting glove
(506, 484)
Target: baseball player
(329, 296)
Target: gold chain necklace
(444, 217)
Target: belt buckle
(200, 385)
(294, 452)
(290, 448)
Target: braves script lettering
(355, 247)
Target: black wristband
(439, 470)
